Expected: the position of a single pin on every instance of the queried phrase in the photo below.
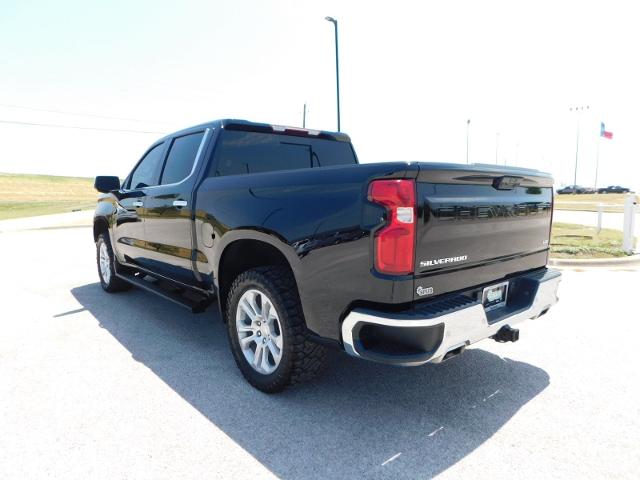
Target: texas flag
(604, 133)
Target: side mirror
(106, 184)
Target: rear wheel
(266, 330)
(106, 266)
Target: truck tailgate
(475, 216)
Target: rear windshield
(240, 152)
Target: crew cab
(303, 249)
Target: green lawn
(578, 241)
(30, 195)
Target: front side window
(240, 152)
(181, 157)
(147, 172)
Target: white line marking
(435, 431)
(492, 395)
(391, 459)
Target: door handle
(137, 203)
(179, 203)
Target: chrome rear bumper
(428, 333)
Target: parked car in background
(614, 189)
(573, 189)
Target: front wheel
(266, 330)
(106, 266)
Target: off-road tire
(112, 284)
(301, 358)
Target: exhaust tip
(453, 353)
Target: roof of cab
(245, 125)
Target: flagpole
(575, 171)
(468, 122)
(595, 185)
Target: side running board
(173, 294)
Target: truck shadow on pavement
(356, 419)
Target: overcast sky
(412, 73)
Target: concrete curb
(80, 218)
(36, 229)
(632, 260)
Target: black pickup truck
(304, 248)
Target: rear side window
(181, 157)
(240, 152)
(148, 170)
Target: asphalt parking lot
(131, 386)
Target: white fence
(600, 215)
(629, 224)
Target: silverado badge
(442, 261)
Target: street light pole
(578, 110)
(468, 123)
(335, 27)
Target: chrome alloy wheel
(259, 331)
(105, 263)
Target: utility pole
(304, 115)
(468, 123)
(335, 28)
(578, 111)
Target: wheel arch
(246, 251)
(100, 225)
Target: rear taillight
(395, 242)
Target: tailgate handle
(506, 182)
(179, 203)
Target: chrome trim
(461, 328)
(196, 162)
